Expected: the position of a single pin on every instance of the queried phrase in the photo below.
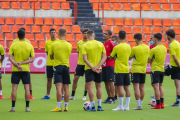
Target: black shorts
(0, 74)
(93, 76)
(156, 77)
(17, 76)
(49, 71)
(108, 74)
(173, 71)
(61, 75)
(121, 79)
(80, 70)
(138, 78)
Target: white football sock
(0, 92)
(48, 95)
(141, 102)
(138, 102)
(121, 102)
(92, 104)
(127, 101)
(99, 102)
(59, 104)
(65, 104)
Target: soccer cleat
(162, 105)
(1, 97)
(152, 96)
(93, 109)
(137, 108)
(10, 97)
(62, 97)
(31, 97)
(115, 99)
(175, 105)
(105, 101)
(156, 107)
(65, 109)
(100, 109)
(71, 98)
(57, 109)
(27, 109)
(46, 97)
(118, 109)
(84, 98)
(110, 101)
(12, 109)
(126, 109)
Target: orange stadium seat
(91, 1)
(42, 0)
(2, 43)
(146, 7)
(76, 29)
(136, 7)
(163, 38)
(45, 6)
(36, 29)
(68, 21)
(137, 30)
(156, 7)
(5, 28)
(178, 38)
(106, 28)
(132, 0)
(166, 45)
(5, 5)
(74, 45)
(2, 21)
(61, 0)
(123, 0)
(128, 22)
(167, 22)
(45, 29)
(38, 21)
(37, 6)
(56, 6)
(56, 28)
(176, 22)
(65, 6)
(15, 28)
(29, 21)
(30, 37)
(107, 6)
(95, 6)
(138, 22)
(157, 30)
(9, 36)
(103, 1)
(15, 5)
(19, 21)
(127, 6)
(162, 1)
(127, 30)
(32, 0)
(116, 6)
(28, 30)
(147, 30)
(22, 0)
(48, 21)
(12, 0)
(142, 0)
(57, 36)
(1, 37)
(130, 38)
(119, 22)
(153, 1)
(166, 7)
(157, 22)
(176, 7)
(172, 1)
(164, 29)
(148, 38)
(116, 29)
(68, 29)
(16, 36)
(58, 21)
(148, 22)
(111, 1)
(39, 37)
(109, 21)
(9, 20)
(79, 37)
(47, 36)
(10, 43)
(143, 38)
(42, 44)
(70, 37)
(132, 44)
(177, 30)
(34, 44)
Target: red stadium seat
(45, 6)
(153, 1)
(58, 21)
(28, 30)
(142, 0)
(56, 28)
(177, 30)
(130, 38)
(147, 30)
(15, 28)
(109, 21)
(106, 28)
(127, 7)
(5, 5)
(19, 21)
(9, 20)
(157, 22)
(148, 38)
(107, 6)
(47, 37)
(48, 21)
(39, 37)
(136, 7)
(29, 21)
(103, 1)
(166, 45)
(45, 29)
(176, 22)
(173, 1)
(166, 7)
(138, 22)
(132, 44)
(116, 6)
(176, 7)
(9, 37)
(91, 1)
(111, 1)
(146, 7)
(15, 5)
(68, 29)
(30, 37)
(56, 6)
(79, 37)
(116, 29)
(132, 0)
(38, 21)
(128, 22)
(65, 6)
(36, 29)
(70, 37)
(148, 22)
(68, 21)
(156, 7)
(2, 43)
(1, 37)
(127, 30)
(2, 21)
(34, 44)
(37, 6)
(162, 1)
(119, 21)
(167, 22)
(25, 5)
(76, 29)
(137, 30)
(95, 6)
(178, 38)
(164, 29)
(42, 44)
(74, 45)
(5, 28)
(157, 30)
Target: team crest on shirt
(107, 46)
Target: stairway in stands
(86, 18)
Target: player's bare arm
(150, 60)
(26, 61)
(86, 61)
(52, 57)
(2, 58)
(103, 59)
(11, 59)
(112, 58)
(176, 60)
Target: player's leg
(107, 87)
(74, 86)
(1, 96)
(142, 93)
(177, 84)
(161, 95)
(85, 91)
(111, 91)
(62, 92)
(115, 96)
(30, 87)
(66, 96)
(157, 95)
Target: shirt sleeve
(84, 50)
(151, 54)
(46, 48)
(172, 50)
(11, 50)
(114, 52)
(2, 50)
(132, 53)
(32, 52)
(78, 47)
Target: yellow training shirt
(123, 51)
(16, 40)
(61, 51)
(47, 48)
(94, 50)
(21, 51)
(79, 50)
(140, 56)
(1, 51)
(174, 49)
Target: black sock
(112, 98)
(158, 102)
(115, 97)
(31, 92)
(13, 103)
(85, 93)
(162, 100)
(73, 93)
(27, 103)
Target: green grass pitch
(41, 108)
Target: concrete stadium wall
(38, 13)
(136, 14)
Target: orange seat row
(38, 5)
(136, 7)
(34, 0)
(37, 21)
(150, 1)
(142, 22)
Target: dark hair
(21, 34)
(62, 31)
(90, 32)
(122, 34)
(52, 29)
(85, 30)
(170, 32)
(22, 29)
(109, 32)
(158, 36)
(115, 37)
(138, 36)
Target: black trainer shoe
(176, 104)
(110, 101)
(105, 101)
